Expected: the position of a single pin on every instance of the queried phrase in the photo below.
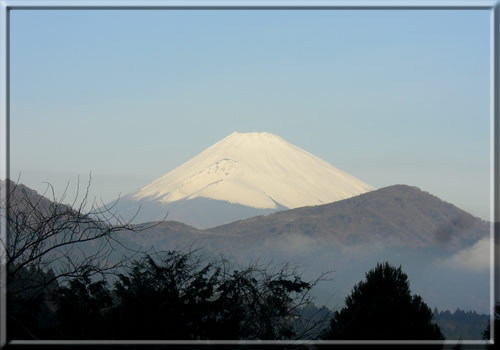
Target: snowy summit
(259, 170)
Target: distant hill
(23, 198)
(398, 215)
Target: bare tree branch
(71, 240)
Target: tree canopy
(179, 296)
(171, 295)
(382, 308)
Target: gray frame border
(493, 5)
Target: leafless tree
(272, 297)
(69, 240)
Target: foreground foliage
(381, 308)
(172, 296)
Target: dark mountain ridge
(398, 215)
(22, 198)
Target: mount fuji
(240, 176)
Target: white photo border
(492, 5)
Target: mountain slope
(400, 214)
(258, 172)
(24, 199)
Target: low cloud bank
(474, 258)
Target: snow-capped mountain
(252, 170)
(257, 170)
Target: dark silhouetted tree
(81, 307)
(382, 308)
(179, 296)
(29, 310)
(262, 303)
(172, 299)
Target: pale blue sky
(388, 96)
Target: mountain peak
(240, 139)
(255, 169)
(252, 134)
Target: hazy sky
(389, 96)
